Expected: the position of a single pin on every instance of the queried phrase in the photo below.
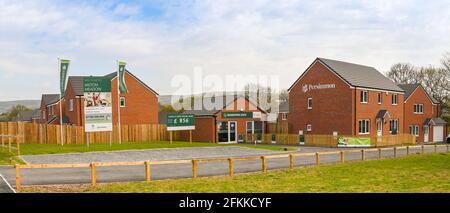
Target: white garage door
(438, 133)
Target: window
(393, 126)
(309, 103)
(394, 99)
(71, 105)
(364, 126)
(418, 108)
(122, 101)
(380, 98)
(309, 127)
(414, 129)
(283, 116)
(364, 98)
(249, 127)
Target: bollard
(423, 149)
(93, 175)
(230, 167)
(447, 148)
(342, 157)
(395, 152)
(147, 171)
(363, 154)
(17, 177)
(264, 166)
(317, 158)
(291, 161)
(435, 148)
(194, 168)
(379, 153)
(407, 150)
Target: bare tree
(404, 73)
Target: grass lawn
(5, 158)
(35, 149)
(415, 173)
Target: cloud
(222, 37)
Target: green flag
(122, 85)
(63, 68)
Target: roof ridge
(345, 62)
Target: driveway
(159, 172)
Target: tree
(12, 113)
(435, 80)
(404, 73)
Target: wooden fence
(195, 162)
(51, 134)
(328, 140)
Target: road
(172, 171)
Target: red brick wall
(204, 130)
(141, 104)
(429, 111)
(369, 110)
(241, 122)
(332, 108)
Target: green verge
(36, 149)
(6, 158)
(415, 173)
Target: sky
(163, 39)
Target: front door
(227, 132)
(379, 128)
(426, 133)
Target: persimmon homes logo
(308, 87)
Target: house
(235, 118)
(421, 113)
(49, 109)
(336, 97)
(138, 106)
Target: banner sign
(353, 142)
(97, 104)
(63, 68)
(241, 114)
(176, 122)
(122, 86)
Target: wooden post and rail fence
(195, 162)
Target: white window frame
(393, 124)
(418, 108)
(364, 126)
(283, 116)
(71, 105)
(309, 103)
(308, 127)
(380, 98)
(414, 130)
(394, 97)
(124, 102)
(253, 127)
(364, 97)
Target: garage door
(438, 133)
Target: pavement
(173, 171)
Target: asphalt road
(159, 172)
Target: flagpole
(60, 106)
(118, 104)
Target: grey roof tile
(360, 75)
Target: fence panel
(35, 133)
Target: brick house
(138, 106)
(421, 112)
(49, 109)
(350, 99)
(236, 117)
